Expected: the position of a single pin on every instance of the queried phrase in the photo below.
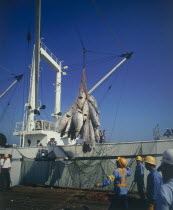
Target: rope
(116, 114)
(7, 70)
(100, 13)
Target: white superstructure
(42, 130)
(31, 128)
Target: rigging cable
(100, 13)
(5, 109)
(116, 113)
(7, 70)
(25, 82)
(109, 88)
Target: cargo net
(82, 119)
(75, 173)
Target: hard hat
(122, 162)
(139, 158)
(6, 155)
(150, 160)
(168, 156)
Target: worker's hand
(97, 185)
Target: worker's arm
(164, 196)
(108, 181)
(129, 172)
(9, 164)
(0, 167)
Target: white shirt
(165, 196)
(6, 164)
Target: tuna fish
(97, 137)
(85, 110)
(68, 125)
(91, 135)
(93, 101)
(81, 99)
(77, 120)
(86, 138)
(62, 122)
(82, 118)
(94, 116)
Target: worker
(139, 176)
(104, 136)
(119, 177)
(52, 142)
(167, 133)
(5, 167)
(39, 144)
(165, 193)
(29, 142)
(154, 181)
(101, 136)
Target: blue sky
(141, 93)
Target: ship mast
(37, 49)
(32, 104)
(42, 51)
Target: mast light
(65, 67)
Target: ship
(32, 128)
(59, 162)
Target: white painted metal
(57, 94)
(37, 49)
(49, 57)
(57, 66)
(8, 89)
(107, 75)
(32, 98)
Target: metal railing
(39, 125)
(50, 53)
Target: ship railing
(18, 127)
(39, 125)
(49, 52)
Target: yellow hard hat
(139, 158)
(122, 162)
(150, 160)
(6, 155)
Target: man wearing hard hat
(119, 177)
(154, 181)
(139, 176)
(165, 193)
(5, 166)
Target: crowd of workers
(159, 189)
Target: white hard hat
(168, 157)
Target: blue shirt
(165, 196)
(116, 178)
(154, 180)
(139, 172)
